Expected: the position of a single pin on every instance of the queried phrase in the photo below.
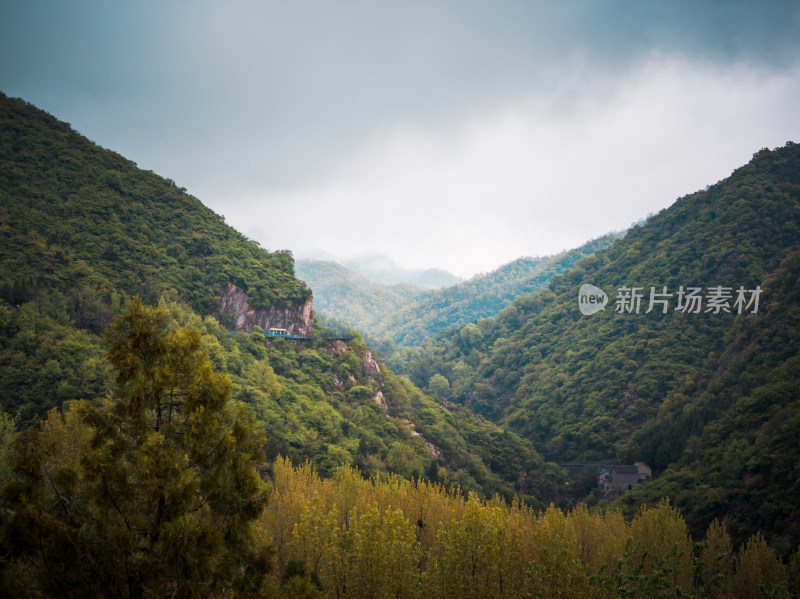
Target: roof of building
(624, 469)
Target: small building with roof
(614, 480)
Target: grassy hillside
(652, 386)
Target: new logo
(591, 299)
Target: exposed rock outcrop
(433, 450)
(296, 319)
(370, 365)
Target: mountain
(82, 230)
(113, 493)
(482, 296)
(402, 315)
(350, 298)
(732, 439)
(688, 392)
(76, 216)
(382, 269)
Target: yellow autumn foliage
(389, 537)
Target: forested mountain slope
(155, 485)
(350, 298)
(82, 219)
(403, 315)
(482, 296)
(82, 230)
(653, 385)
(731, 435)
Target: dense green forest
(85, 222)
(731, 434)
(480, 297)
(146, 451)
(65, 279)
(157, 490)
(702, 396)
(399, 315)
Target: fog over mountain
(381, 269)
(442, 134)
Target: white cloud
(538, 173)
(451, 134)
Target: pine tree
(152, 492)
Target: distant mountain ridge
(482, 296)
(408, 315)
(349, 297)
(382, 269)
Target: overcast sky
(459, 135)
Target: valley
(430, 428)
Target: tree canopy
(152, 491)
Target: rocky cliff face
(296, 319)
